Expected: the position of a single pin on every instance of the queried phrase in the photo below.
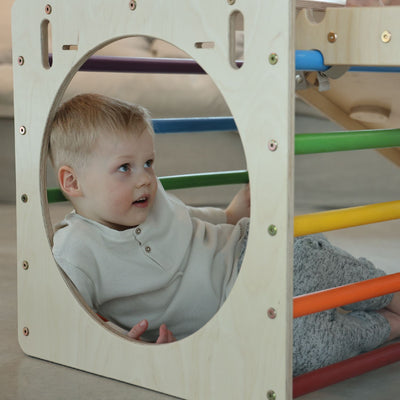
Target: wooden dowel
(348, 294)
(345, 218)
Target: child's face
(118, 183)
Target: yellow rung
(345, 218)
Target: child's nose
(143, 179)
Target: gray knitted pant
(330, 336)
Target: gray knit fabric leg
(318, 265)
(329, 336)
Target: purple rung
(142, 65)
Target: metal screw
(271, 395)
(20, 60)
(272, 145)
(132, 5)
(25, 331)
(25, 265)
(299, 79)
(332, 37)
(48, 9)
(271, 313)
(22, 130)
(273, 58)
(231, 2)
(24, 198)
(386, 36)
(272, 230)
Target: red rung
(346, 369)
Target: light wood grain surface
(240, 353)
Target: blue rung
(310, 60)
(374, 69)
(181, 125)
(313, 60)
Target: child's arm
(165, 335)
(239, 206)
(213, 215)
(237, 209)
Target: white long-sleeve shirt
(176, 268)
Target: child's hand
(239, 206)
(165, 335)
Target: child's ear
(68, 181)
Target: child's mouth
(141, 202)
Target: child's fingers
(138, 330)
(165, 335)
(171, 337)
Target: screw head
(272, 145)
(273, 58)
(25, 265)
(24, 198)
(25, 331)
(48, 9)
(20, 60)
(272, 230)
(386, 36)
(132, 5)
(332, 37)
(271, 313)
(271, 395)
(299, 79)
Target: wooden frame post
(241, 353)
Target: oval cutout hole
(236, 39)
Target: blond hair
(79, 122)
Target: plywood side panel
(240, 353)
(357, 35)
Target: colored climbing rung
(306, 60)
(305, 143)
(346, 218)
(180, 182)
(346, 369)
(186, 125)
(348, 294)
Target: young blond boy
(143, 259)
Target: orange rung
(348, 294)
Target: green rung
(311, 143)
(180, 182)
(305, 143)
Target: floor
(331, 181)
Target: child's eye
(124, 168)
(148, 163)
